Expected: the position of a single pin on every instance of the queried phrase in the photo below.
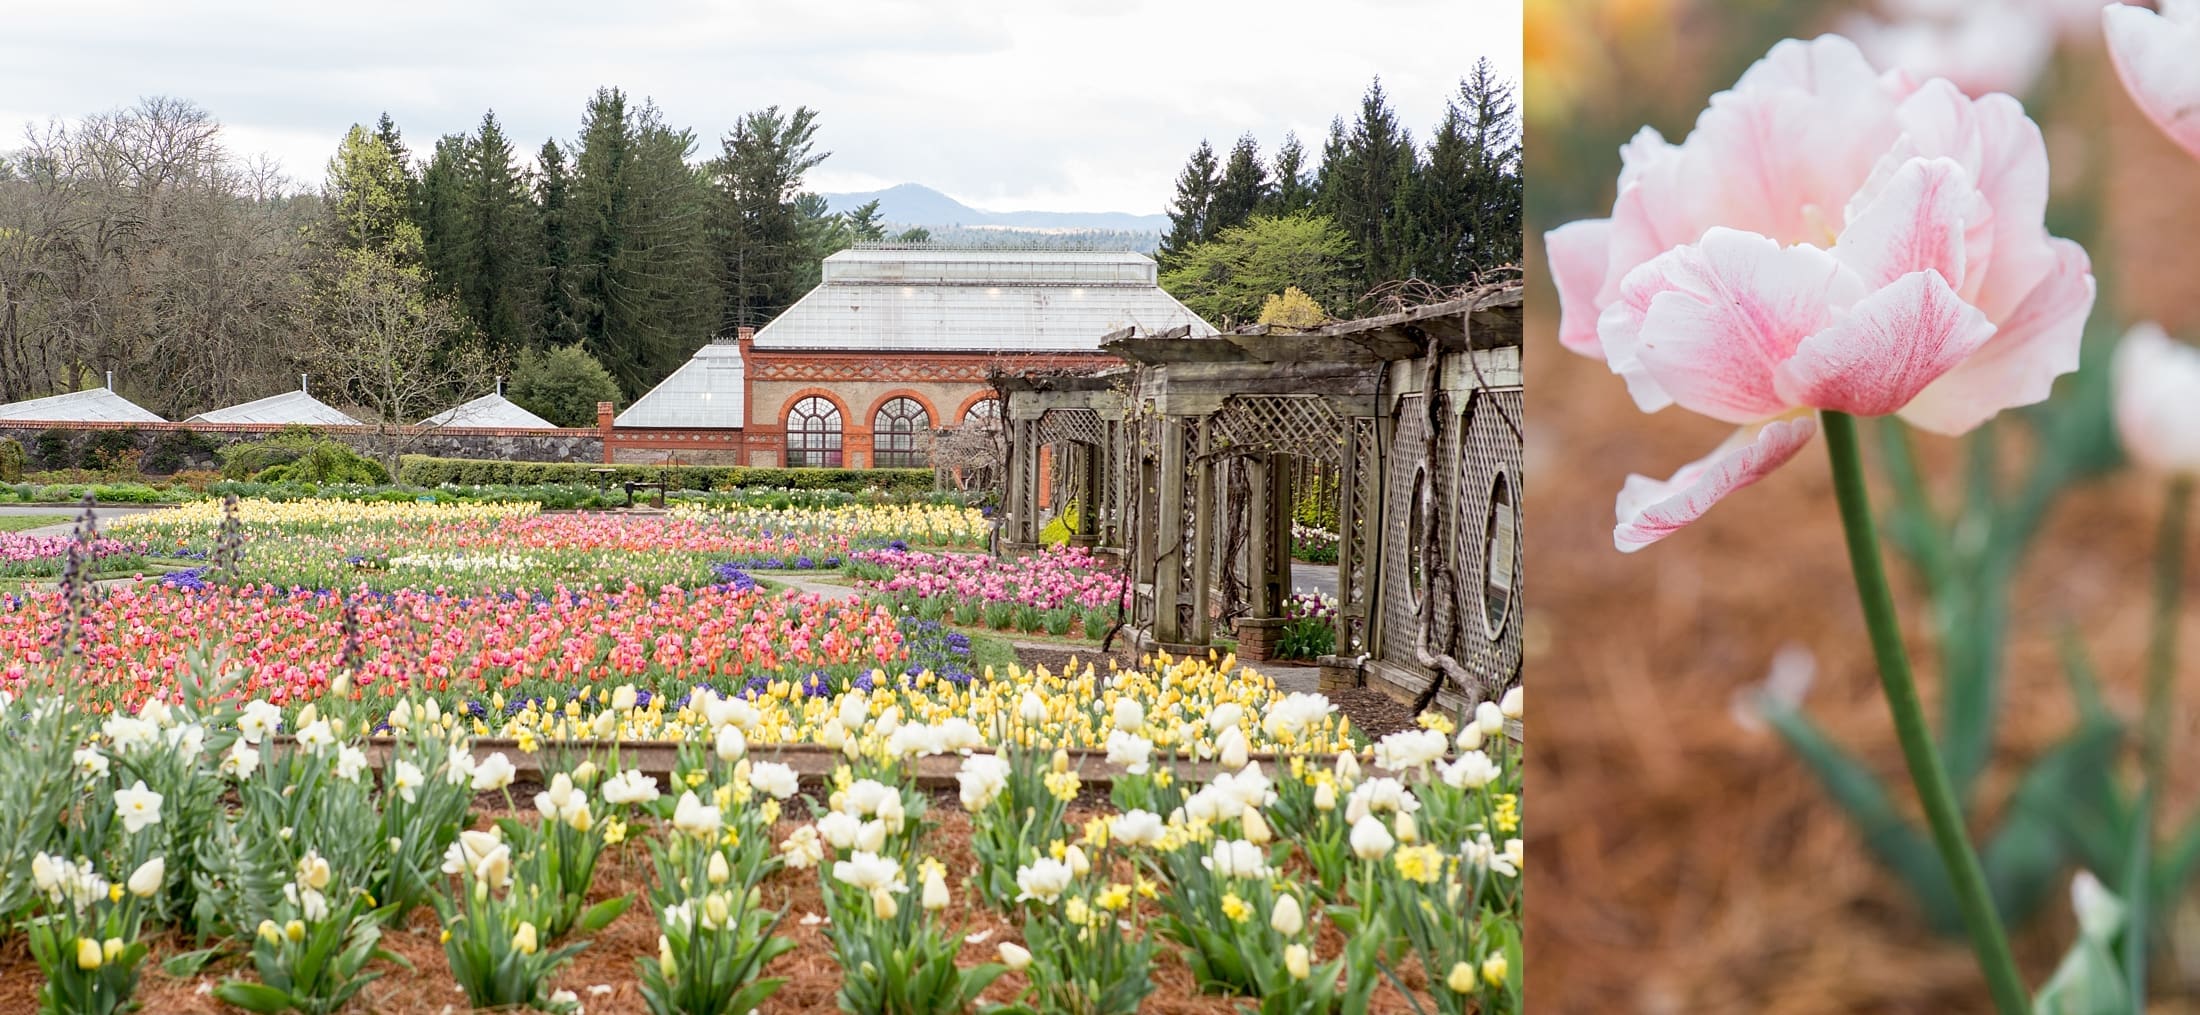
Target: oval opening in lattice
(1500, 556)
(1417, 535)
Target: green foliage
(638, 270)
(1307, 638)
(52, 446)
(562, 385)
(12, 460)
(1228, 279)
(369, 195)
(1195, 193)
(298, 454)
(1964, 556)
(174, 450)
(761, 257)
(108, 450)
(421, 470)
(318, 971)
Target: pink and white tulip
(2158, 57)
(2158, 401)
(1827, 238)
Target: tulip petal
(2036, 343)
(2158, 400)
(1914, 223)
(1891, 345)
(2155, 56)
(1578, 253)
(1650, 510)
(1721, 315)
(2006, 253)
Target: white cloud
(1063, 105)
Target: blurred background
(1687, 858)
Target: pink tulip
(2158, 57)
(2158, 401)
(1826, 238)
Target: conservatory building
(895, 343)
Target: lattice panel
(1290, 424)
(1364, 532)
(1492, 449)
(1062, 426)
(1401, 621)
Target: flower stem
(1934, 791)
(2169, 574)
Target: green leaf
(1887, 834)
(185, 965)
(250, 996)
(600, 915)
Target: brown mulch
(609, 960)
(1688, 863)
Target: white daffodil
(138, 806)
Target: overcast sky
(1059, 105)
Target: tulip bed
(24, 556)
(1059, 591)
(1386, 881)
(393, 546)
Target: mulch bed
(1688, 862)
(609, 961)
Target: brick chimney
(744, 334)
(604, 417)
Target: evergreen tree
(640, 268)
(863, 223)
(914, 234)
(1364, 176)
(1195, 192)
(366, 199)
(556, 321)
(761, 254)
(1242, 189)
(824, 234)
(385, 131)
(1292, 189)
(497, 245)
(440, 214)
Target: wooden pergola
(1181, 465)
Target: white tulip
(1370, 840)
(145, 882)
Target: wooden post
(1168, 549)
(1281, 505)
(1348, 520)
(1203, 541)
(1089, 499)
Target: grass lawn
(17, 523)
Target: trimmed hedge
(423, 470)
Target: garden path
(63, 529)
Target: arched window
(813, 434)
(901, 435)
(984, 412)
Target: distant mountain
(916, 204)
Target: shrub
(422, 470)
(175, 450)
(52, 448)
(301, 455)
(562, 385)
(109, 451)
(12, 460)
